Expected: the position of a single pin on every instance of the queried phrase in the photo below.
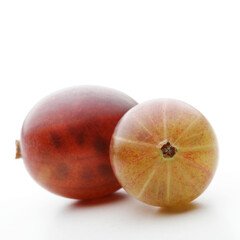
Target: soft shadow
(190, 207)
(148, 211)
(108, 200)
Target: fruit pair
(163, 152)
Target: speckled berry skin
(164, 152)
(65, 141)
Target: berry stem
(18, 150)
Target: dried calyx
(168, 150)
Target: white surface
(188, 50)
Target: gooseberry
(164, 152)
(65, 141)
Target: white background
(188, 50)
